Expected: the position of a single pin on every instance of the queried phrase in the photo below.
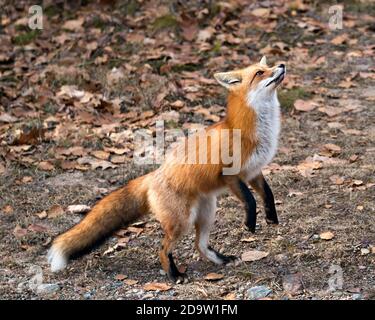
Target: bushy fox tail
(120, 207)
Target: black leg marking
(222, 257)
(250, 203)
(269, 204)
(174, 274)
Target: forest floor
(72, 94)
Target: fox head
(255, 83)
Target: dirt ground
(322, 176)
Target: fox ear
(228, 79)
(263, 61)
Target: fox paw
(178, 277)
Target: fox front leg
(243, 193)
(261, 186)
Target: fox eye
(259, 73)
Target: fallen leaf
(328, 235)
(337, 179)
(357, 182)
(46, 166)
(7, 118)
(157, 286)
(130, 282)
(261, 12)
(19, 232)
(253, 255)
(42, 215)
(78, 208)
(120, 277)
(100, 154)
(37, 228)
(251, 239)
(8, 209)
(55, 211)
(213, 276)
(302, 105)
(73, 25)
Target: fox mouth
(278, 79)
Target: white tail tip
(57, 259)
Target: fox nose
(282, 66)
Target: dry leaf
(130, 282)
(248, 239)
(55, 211)
(213, 276)
(120, 277)
(8, 209)
(305, 106)
(46, 166)
(157, 286)
(78, 208)
(328, 235)
(254, 255)
(337, 179)
(42, 215)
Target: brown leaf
(261, 12)
(120, 277)
(73, 25)
(251, 239)
(189, 27)
(213, 276)
(157, 286)
(46, 166)
(340, 39)
(328, 235)
(100, 154)
(130, 282)
(118, 159)
(302, 105)
(253, 255)
(19, 232)
(8, 209)
(37, 228)
(78, 208)
(7, 118)
(55, 211)
(337, 179)
(42, 215)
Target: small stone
(87, 295)
(258, 292)
(365, 251)
(47, 288)
(292, 283)
(357, 296)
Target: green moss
(26, 38)
(164, 22)
(288, 97)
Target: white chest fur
(267, 130)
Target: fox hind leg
(204, 221)
(173, 233)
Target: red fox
(182, 195)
